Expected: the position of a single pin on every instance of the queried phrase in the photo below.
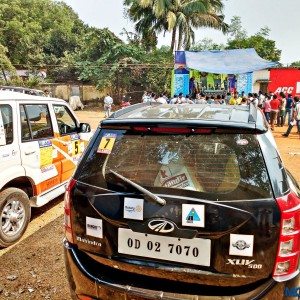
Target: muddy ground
(34, 268)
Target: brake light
(287, 261)
(173, 130)
(67, 209)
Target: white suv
(41, 141)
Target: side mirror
(84, 128)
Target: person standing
(274, 103)
(267, 108)
(281, 113)
(255, 100)
(145, 97)
(161, 99)
(244, 102)
(295, 118)
(108, 103)
(234, 99)
(200, 99)
(173, 100)
(227, 98)
(288, 109)
(180, 99)
(192, 87)
(261, 99)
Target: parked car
(182, 202)
(41, 141)
(23, 90)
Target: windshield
(224, 166)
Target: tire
(15, 213)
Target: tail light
(287, 261)
(67, 208)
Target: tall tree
(207, 44)
(235, 29)
(180, 17)
(264, 46)
(295, 64)
(37, 32)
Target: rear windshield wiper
(153, 197)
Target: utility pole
(4, 75)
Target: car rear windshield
(214, 166)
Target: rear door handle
(30, 153)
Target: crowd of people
(277, 108)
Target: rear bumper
(101, 282)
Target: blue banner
(181, 84)
(244, 83)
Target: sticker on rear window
(241, 244)
(107, 143)
(242, 142)
(193, 215)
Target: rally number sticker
(75, 148)
(107, 143)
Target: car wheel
(15, 215)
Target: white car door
(36, 146)
(10, 159)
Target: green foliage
(295, 64)
(176, 16)
(35, 30)
(129, 69)
(5, 65)
(5, 62)
(235, 30)
(207, 44)
(265, 47)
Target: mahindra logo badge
(162, 226)
(241, 245)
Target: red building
(285, 80)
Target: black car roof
(246, 117)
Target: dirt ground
(34, 268)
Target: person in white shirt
(108, 103)
(180, 99)
(173, 100)
(255, 100)
(200, 99)
(161, 100)
(146, 97)
(261, 99)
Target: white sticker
(54, 153)
(242, 142)
(94, 227)
(81, 147)
(298, 87)
(70, 148)
(48, 172)
(134, 208)
(241, 244)
(193, 215)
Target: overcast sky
(282, 17)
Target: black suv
(183, 202)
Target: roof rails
(131, 108)
(252, 113)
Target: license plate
(189, 251)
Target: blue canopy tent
(237, 61)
